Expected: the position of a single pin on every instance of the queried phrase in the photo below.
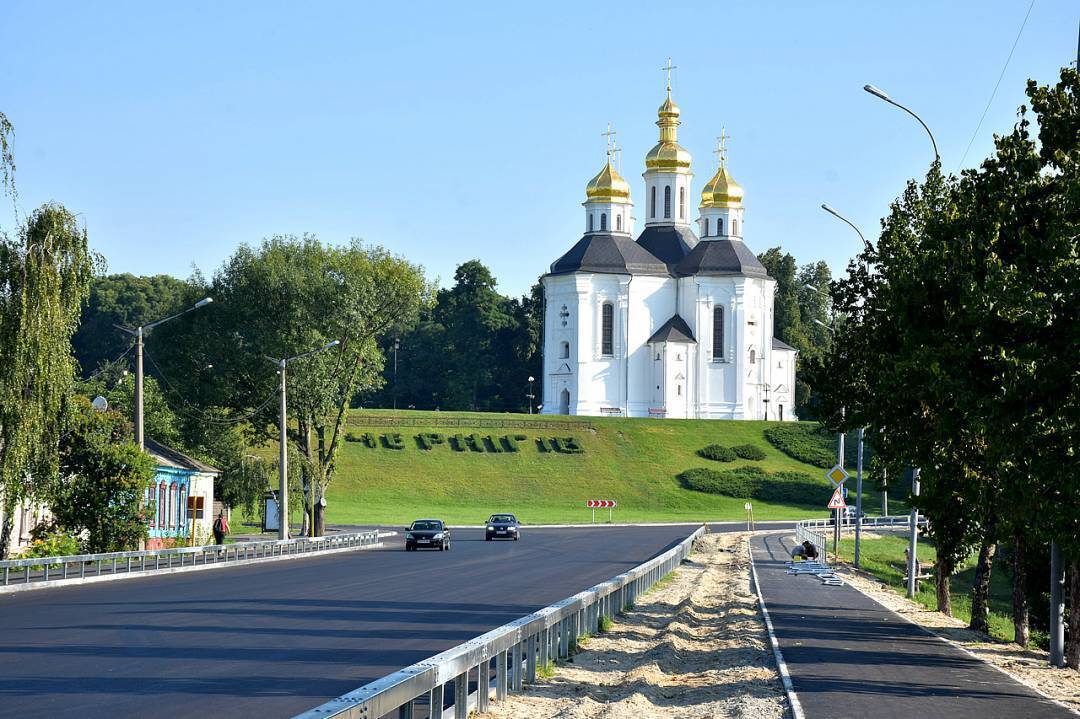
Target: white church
(669, 325)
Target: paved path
(850, 657)
(274, 639)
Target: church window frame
(590, 222)
(753, 356)
(618, 222)
(682, 203)
(735, 228)
(607, 329)
(706, 226)
(719, 225)
(603, 222)
(667, 202)
(652, 202)
(564, 350)
(718, 334)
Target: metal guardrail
(44, 569)
(816, 531)
(502, 660)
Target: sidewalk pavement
(849, 657)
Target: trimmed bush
(756, 483)
(803, 442)
(748, 451)
(367, 439)
(717, 453)
(427, 440)
(567, 445)
(394, 440)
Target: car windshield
(426, 526)
(502, 518)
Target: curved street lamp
(877, 92)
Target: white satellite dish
(100, 404)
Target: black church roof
(668, 243)
(608, 253)
(674, 330)
(781, 345)
(721, 257)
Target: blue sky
(453, 131)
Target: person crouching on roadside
(804, 551)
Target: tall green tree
(100, 491)
(44, 278)
(283, 298)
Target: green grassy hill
(634, 461)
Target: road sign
(601, 504)
(836, 475)
(837, 501)
(748, 506)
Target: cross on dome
(608, 135)
(668, 68)
(721, 147)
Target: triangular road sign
(837, 501)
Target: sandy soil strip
(1030, 666)
(693, 648)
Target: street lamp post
(283, 447)
(876, 92)
(139, 332)
(397, 345)
(531, 396)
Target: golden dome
(668, 155)
(722, 190)
(608, 185)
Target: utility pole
(283, 445)
(913, 563)
(858, 502)
(139, 333)
(1057, 607)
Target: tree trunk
(942, 577)
(1072, 650)
(7, 524)
(980, 610)
(1020, 603)
(320, 522)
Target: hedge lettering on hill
(756, 483)
(803, 442)
(749, 451)
(717, 453)
(490, 444)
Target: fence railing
(816, 531)
(89, 566)
(502, 660)
(362, 420)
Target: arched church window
(781, 408)
(719, 225)
(706, 226)
(564, 352)
(682, 203)
(618, 222)
(735, 227)
(718, 333)
(652, 201)
(603, 221)
(590, 222)
(678, 389)
(753, 356)
(657, 356)
(607, 329)
(667, 201)
(564, 402)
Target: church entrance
(564, 402)
(780, 407)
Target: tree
(286, 297)
(125, 300)
(103, 480)
(44, 279)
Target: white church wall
(651, 302)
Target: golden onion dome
(722, 190)
(668, 155)
(608, 185)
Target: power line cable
(996, 86)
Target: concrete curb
(781, 665)
(967, 651)
(71, 581)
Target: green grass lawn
(884, 558)
(633, 461)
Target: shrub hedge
(755, 483)
(748, 451)
(803, 442)
(717, 453)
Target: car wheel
(487, 537)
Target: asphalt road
(275, 639)
(850, 658)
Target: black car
(427, 534)
(502, 526)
